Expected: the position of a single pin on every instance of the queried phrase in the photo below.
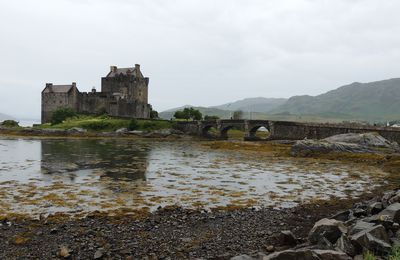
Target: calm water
(77, 176)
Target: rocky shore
(80, 132)
(371, 227)
(169, 233)
(346, 143)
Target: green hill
(258, 107)
(378, 100)
(257, 104)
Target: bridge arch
(253, 129)
(225, 127)
(205, 130)
(223, 133)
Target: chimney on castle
(74, 84)
(113, 69)
(49, 86)
(137, 67)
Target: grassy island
(106, 123)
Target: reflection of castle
(124, 93)
(128, 161)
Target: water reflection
(115, 158)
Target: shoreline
(72, 133)
(170, 232)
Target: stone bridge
(281, 130)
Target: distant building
(124, 93)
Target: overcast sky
(205, 52)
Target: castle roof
(135, 71)
(58, 88)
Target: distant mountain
(379, 100)
(176, 108)
(5, 117)
(258, 104)
(374, 101)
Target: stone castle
(124, 93)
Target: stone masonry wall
(131, 88)
(297, 131)
(52, 101)
(283, 130)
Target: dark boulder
(329, 229)
(391, 213)
(301, 254)
(359, 226)
(286, 238)
(344, 244)
(308, 254)
(374, 239)
(343, 215)
(331, 255)
(375, 207)
(386, 197)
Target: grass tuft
(395, 253)
(369, 256)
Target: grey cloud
(196, 52)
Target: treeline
(189, 113)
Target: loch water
(83, 175)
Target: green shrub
(9, 123)
(153, 114)
(101, 111)
(61, 114)
(148, 125)
(96, 125)
(133, 125)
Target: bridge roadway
(282, 130)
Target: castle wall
(52, 101)
(124, 108)
(114, 106)
(130, 87)
(93, 103)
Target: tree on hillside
(195, 114)
(237, 114)
(181, 115)
(188, 113)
